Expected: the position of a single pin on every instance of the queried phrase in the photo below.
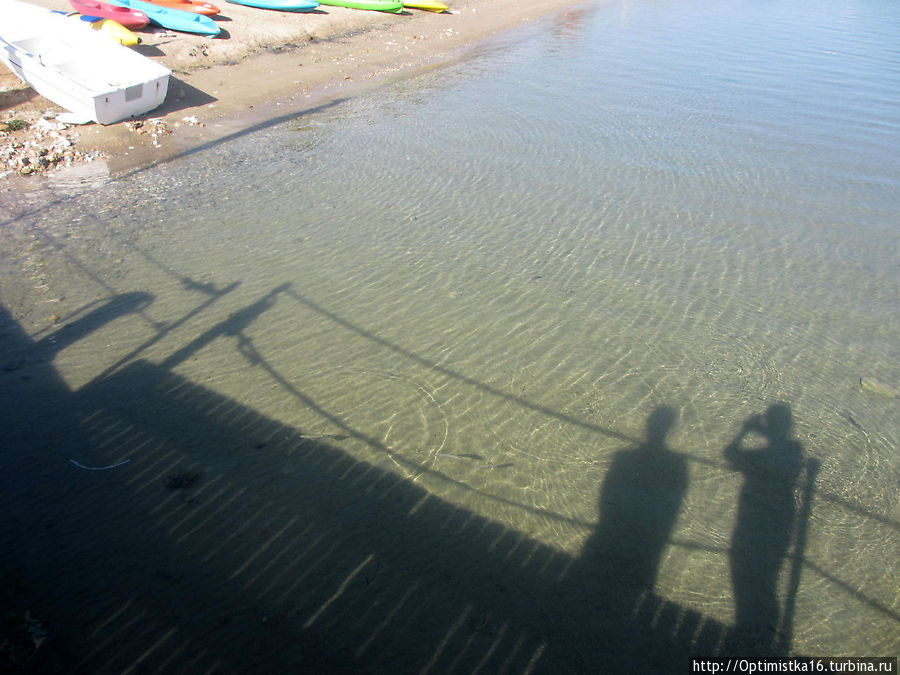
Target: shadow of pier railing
(233, 543)
(280, 553)
(289, 555)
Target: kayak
(112, 29)
(173, 19)
(195, 6)
(394, 6)
(427, 5)
(130, 18)
(282, 5)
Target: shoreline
(264, 66)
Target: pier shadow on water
(232, 543)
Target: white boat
(77, 68)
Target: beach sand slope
(264, 64)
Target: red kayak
(130, 18)
(195, 6)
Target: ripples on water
(485, 279)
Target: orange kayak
(195, 6)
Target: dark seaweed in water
(179, 480)
(21, 635)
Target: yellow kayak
(108, 27)
(427, 5)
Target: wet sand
(266, 65)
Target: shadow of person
(765, 522)
(639, 501)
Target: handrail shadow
(233, 542)
(286, 554)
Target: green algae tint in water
(567, 342)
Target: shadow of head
(659, 423)
(777, 420)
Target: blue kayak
(282, 5)
(173, 19)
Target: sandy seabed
(263, 65)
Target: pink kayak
(196, 6)
(130, 18)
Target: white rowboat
(77, 68)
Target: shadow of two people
(640, 499)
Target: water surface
(473, 290)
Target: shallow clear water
(485, 279)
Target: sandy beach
(263, 65)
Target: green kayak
(395, 6)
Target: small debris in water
(179, 480)
(99, 468)
(320, 437)
(20, 638)
(872, 385)
(479, 460)
(853, 421)
(462, 455)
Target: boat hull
(77, 68)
